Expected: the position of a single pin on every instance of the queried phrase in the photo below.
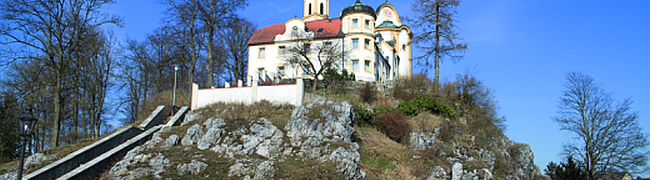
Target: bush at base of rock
(394, 125)
(412, 107)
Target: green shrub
(362, 116)
(394, 125)
(409, 108)
(412, 107)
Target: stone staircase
(91, 161)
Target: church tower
(316, 9)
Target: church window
(355, 65)
(322, 8)
(355, 43)
(355, 23)
(367, 65)
(367, 44)
(309, 8)
(281, 71)
(367, 24)
(328, 46)
(307, 48)
(282, 50)
(260, 73)
(294, 31)
(404, 47)
(262, 53)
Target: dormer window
(294, 31)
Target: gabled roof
(266, 34)
(328, 28)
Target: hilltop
(404, 131)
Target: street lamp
(27, 124)
(174, 96)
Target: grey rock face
(266, 170)
(194, 167)
(9, 176)
(193, 135)
(523, 157)
(191, 116)
(172, 140)
(239, 169)
(334, 125)
(211, 137)
(438, 173)
(420, 141)
(348, 161)
(36, 158)
(457, 171)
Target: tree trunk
(54, 140)
(210, 60)
(437, 61)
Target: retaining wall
(292, 94)
(83, 155)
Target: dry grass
(306, 169)
(425, 122)
(394, 125)
(381, 157)
(383, 102)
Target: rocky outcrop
(313, 137)
(421, 141)
(147, 163)
(523, 157)
(322, 131)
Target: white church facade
(374, 44)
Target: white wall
(278, 94)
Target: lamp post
(174, 96)
(27, 124)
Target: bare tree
(436, 32)
(315, 56)
(51, 31)
(610, 139)
(212, 13)
(95, 61)
(184, 18)
(234, 38)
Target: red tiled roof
(323, 28)
(266, 34)
(331, 27)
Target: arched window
(294, 31)
(309, 8)
(322, 8)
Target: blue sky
(522, 49)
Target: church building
(371, 43)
